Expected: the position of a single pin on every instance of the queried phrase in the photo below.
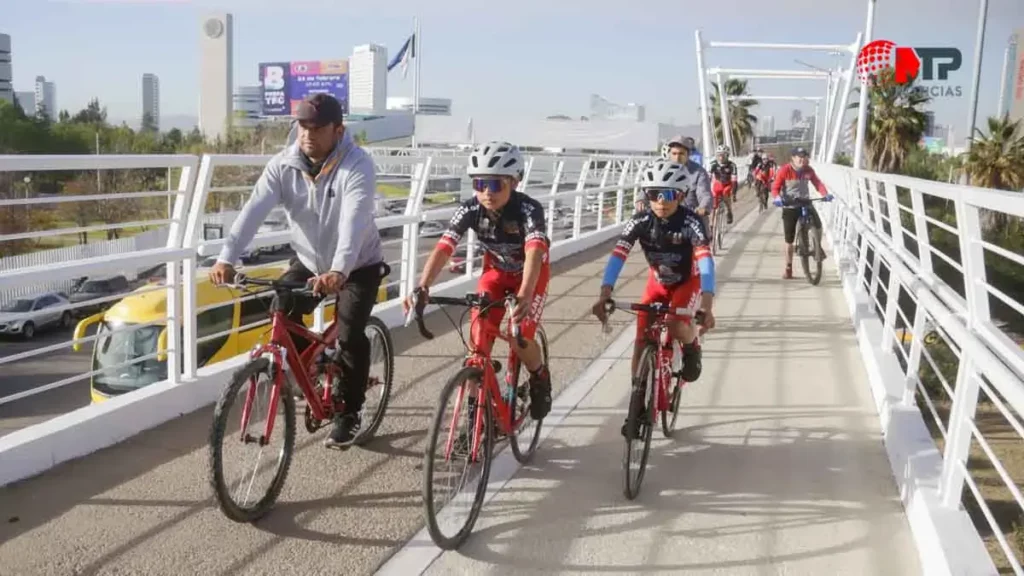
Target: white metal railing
(582, 194)
(888, 237)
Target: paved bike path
(145, 507)
(777, 465)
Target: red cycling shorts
(720, 189)
(495, 283)
(682, 295)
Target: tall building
(216, 78)
(151, 99)
(247, 105)
(603, 109)
(6, 75)
(767, 126)
(428, 106)
(929, 123)
(368, 79)
(46, 97)
(27, 101)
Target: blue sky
(521, 58)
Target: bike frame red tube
(490, 393)
(281, 333)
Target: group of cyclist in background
(326, 182)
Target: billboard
(285, 84)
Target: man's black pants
(352, 311)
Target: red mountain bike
(655, 367)
(504, 414)
(275, 362)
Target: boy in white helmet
(676, 245)
(511, 228)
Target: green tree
(895, 119)
(742, 120)
(996, 159)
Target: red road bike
(275, 361)
(502, 414)
(654, 367)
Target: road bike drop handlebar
(481, 301)
(658, 309)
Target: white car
(25, 316)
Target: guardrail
(918, 261)
(586, 204)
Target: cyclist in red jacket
(793, 181)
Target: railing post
(581, 185)
(600, 195)
(204, 180)
(620, 194)
(924, 241)
(879, 224)
(559, 167)
(965, 396)
(914, 356)
(410, 231)
(176, 239)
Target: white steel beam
(771, 46)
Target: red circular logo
(873, 57)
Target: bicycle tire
(367, 432)
(631, 487)
(802, 248)
(524, 457)
(226, 503)
(813, 272)
(467, 373)
(668, 425)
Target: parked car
(94, 288)
(24, 317)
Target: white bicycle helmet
(678, 140)
(664, 174)
(496, 159)
(722, 149)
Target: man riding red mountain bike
(511, 228)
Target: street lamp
(27, 180)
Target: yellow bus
(114, 348)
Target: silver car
(25, 316)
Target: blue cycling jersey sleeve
(612, 270)
(707, 274)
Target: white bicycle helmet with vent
(496, 159)
(663, 174)
(722, 149)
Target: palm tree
(997, 160)
(896, 122)
(743, 122)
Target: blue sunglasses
(661, 194)
(492, 185)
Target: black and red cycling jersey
(724, 172)
(671, 246)
(505, 236)
(766, 170)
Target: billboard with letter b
(285, 84)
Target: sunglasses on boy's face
(492, 185)
(660, 194)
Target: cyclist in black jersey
(510, 227)
(724, 180)
(682, 271)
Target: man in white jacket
(326, 184)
